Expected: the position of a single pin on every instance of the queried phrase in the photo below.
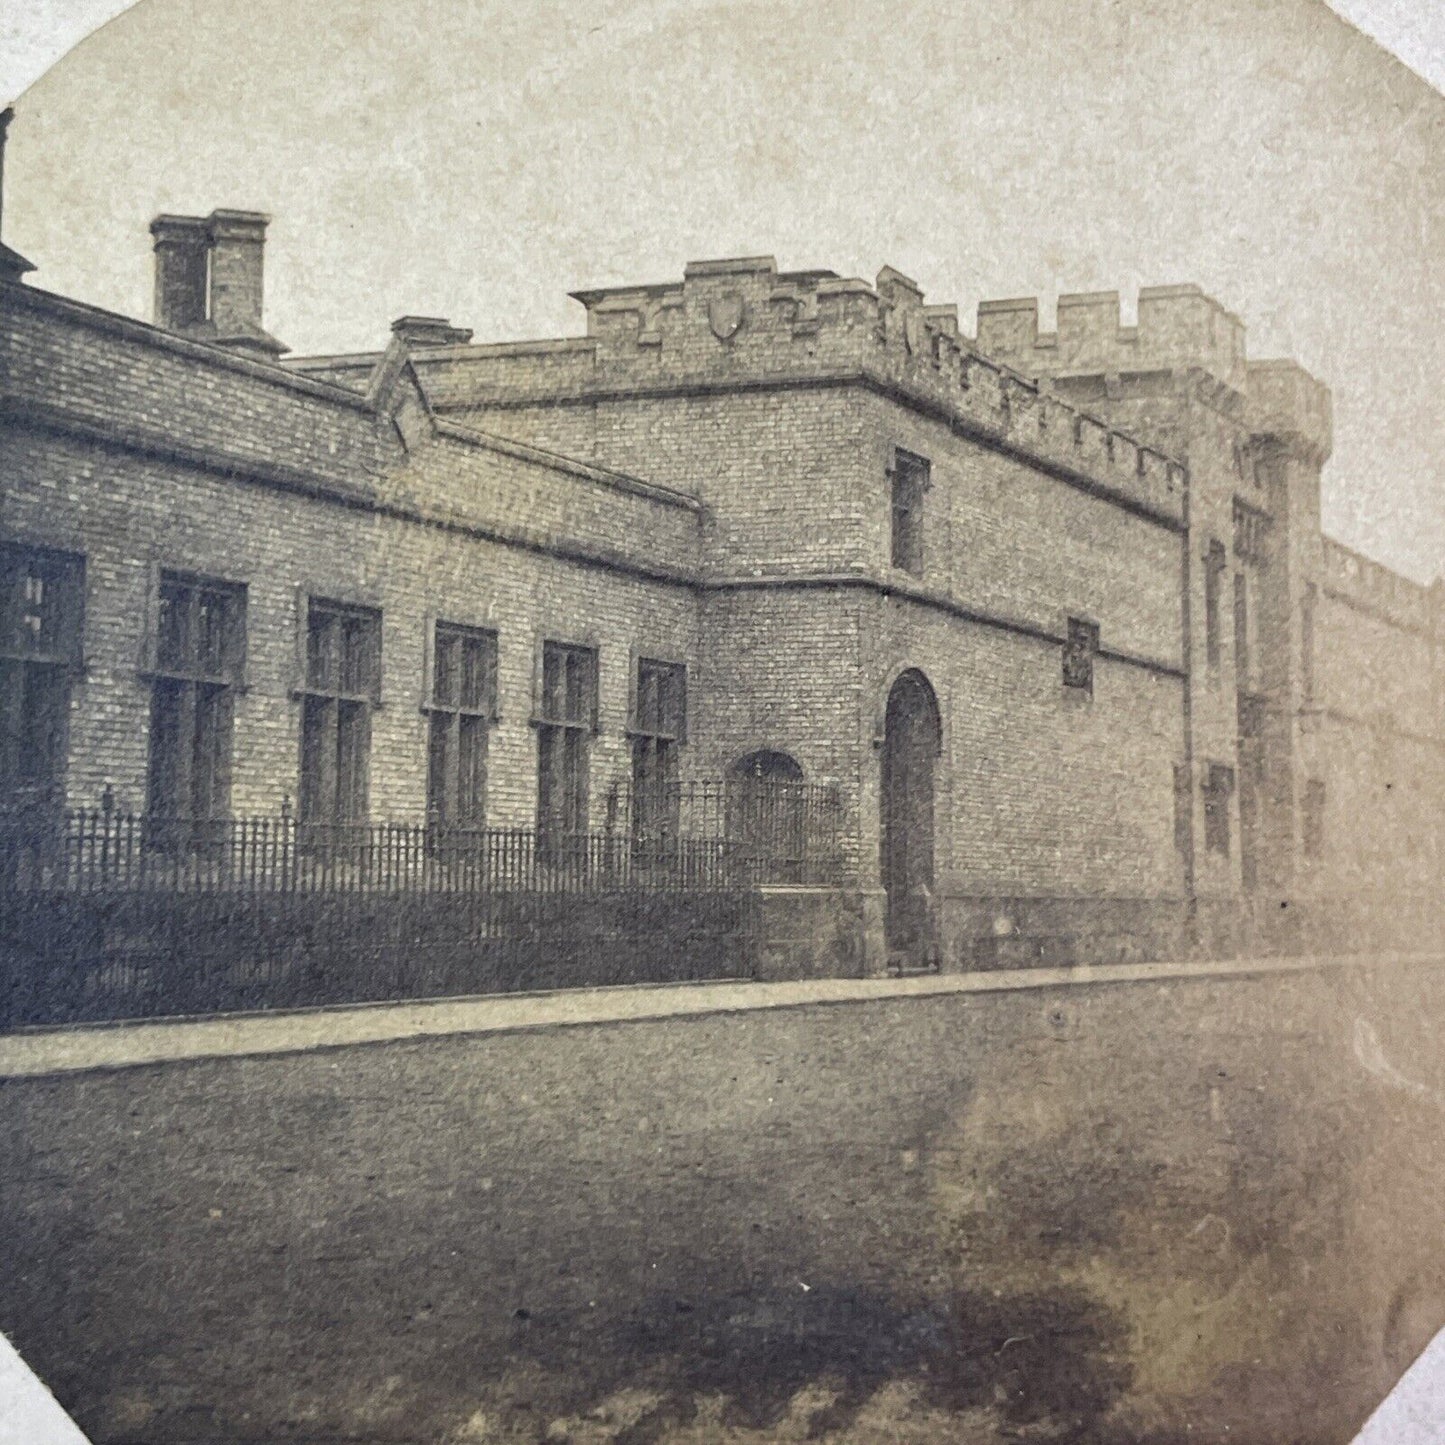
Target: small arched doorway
(779, 767)
(765, 816)
(912, 736)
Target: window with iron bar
(910, 483)
(1241, 629)
(1218, 790)
(1251, 531)
(659, 728)
(1214, 565)
(1312, 819)
(1079, 653)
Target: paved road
(1125, 1212)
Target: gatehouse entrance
(912, 736)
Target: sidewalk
(41, 1051)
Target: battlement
(1179, 328)
(743, 319)
(1371, 584)
(1287, 403)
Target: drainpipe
(1186, 595)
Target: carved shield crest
(725, 315)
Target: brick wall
(790, 452)
(797, 483)
(1376, 734)
(1041, 788)
(123, 376)
(782, 476)
(1361, 714)
(129, 517)
(726, 503)
(1008, 540)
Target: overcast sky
(480, 158)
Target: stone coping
(36, 1052)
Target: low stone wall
(808, 933)
(816, 932)
(98, 956)
(1004, 932)
(1146, 1212)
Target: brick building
(1051, 613)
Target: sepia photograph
(722, 722)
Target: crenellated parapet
(1179, 328)
(1181, 332)
(744, 322)
(1288, 405)
(1378, 589)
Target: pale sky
(34, 34)
(480, 158)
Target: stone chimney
(209, 280)
(12, 264)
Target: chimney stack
(183, 246)
(423, 331)
(238, 241)
(209, 275)
(12, 264)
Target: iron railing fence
(777, 831)
(688, 837)
(145, 953)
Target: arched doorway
(765, 816)
(780, 767)
(912, 735)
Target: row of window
(1218, 788)
(197, 664)
(1250, 545)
